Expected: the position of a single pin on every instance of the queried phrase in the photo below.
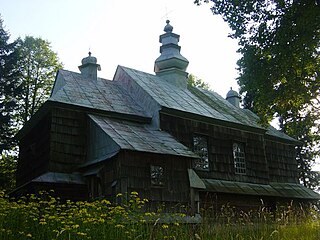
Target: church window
(239, 158)
(157, 175)
(200, 147)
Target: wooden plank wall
(109, 175)
(68, 140)
(220, 141)
(34, 152)
(282, 164)
(135, 176)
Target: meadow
(43, 216)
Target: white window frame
(239, 159)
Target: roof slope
(140, 137)
(285, 190)
(173, 97)
(111, 96)
(72, 88)
(198, 101)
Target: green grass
(45, 217)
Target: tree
(27, 72)
(197, 82)
(280, 67)
(9, 89)
(38, 65)
(8, 165)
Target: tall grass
(46, 217)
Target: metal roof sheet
(72, 88)
(55, 177)
(198, 101)
(194, 180)
(285, 190)
(140, 137)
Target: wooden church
(153, 134)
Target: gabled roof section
(140, 137)
(195, 100)
(201, 102)
(106, 95)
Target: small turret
(233, 98)
(89, 67)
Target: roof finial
(89, 53)
(168, 28)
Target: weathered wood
(220, 140)
(34, 152)
(68, 139)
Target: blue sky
(127, 33)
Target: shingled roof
(73, 88)
(141, 137)
(198, 101)
(111, 96)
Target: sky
(126, 32)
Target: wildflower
(119, 226)
(104, 201)
(42, 221)
(81, 234)
(165, 226)
(75, 226)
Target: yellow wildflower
(165, 226)
(119, 226)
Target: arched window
(239, 158)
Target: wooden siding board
(136, 168)
(220, 140)
(68, 139)
(282, 164)
(34, 151)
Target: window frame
(239, 158)
(201, 160)
(154, 180)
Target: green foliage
(38, 65)
(8, 165)
(42, 216)
(197, 82)
(9, 89)
(280, 67)
(27, 72)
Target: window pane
(156, 174)
(200, 147)
(239, 158)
